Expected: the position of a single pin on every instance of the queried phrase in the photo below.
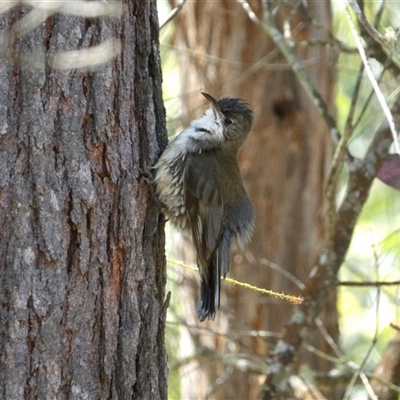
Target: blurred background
(298, 65)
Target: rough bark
(82, 268)
(284, 163)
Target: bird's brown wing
(205, 210)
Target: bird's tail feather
(210, 295)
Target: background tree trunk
(81, 259)
(284, 163)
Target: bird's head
(233, 115)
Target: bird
(197, 179)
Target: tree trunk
(284, 164)
(82, 263)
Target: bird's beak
(217, 111)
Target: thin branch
(269, 26)
(283, 271)
(173, 13)
(365, 106)
(374, 83)
(219, 381)
(327, 357)
(368, 284)
(309, 15)
(383, 45)
(207, 57)
(360, 373)
(329, 380)
(331, 185)
(290, 298)
(379, 14)
(342, 47)
(355, 96)
(328, 338)
(339, 159)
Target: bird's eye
(228, 121)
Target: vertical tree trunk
(284, 164)
(82, 268)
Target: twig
(342, 47)
(366, 104)
(219, 381)
(290, 298)
(379, 14)
(338, 162)
(269, 26)
(355, 96)
(173, 13)
(286, 273)
(368, 284)
(374, 83)
(359, 372)
(328, 338)
(389, 50)
(330, 190)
